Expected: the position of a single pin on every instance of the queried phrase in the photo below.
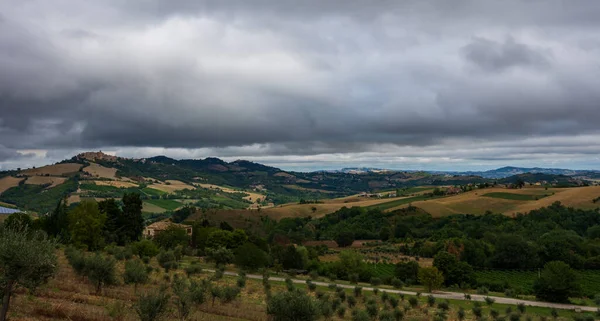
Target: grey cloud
(493, 56)
(295, 78)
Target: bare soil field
(53, 170)
(475, 202)
(100, 171)
(41, 180)
(8, 182)
(172, 187)
(118, 184)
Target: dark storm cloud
(494, 56)
(297, 78)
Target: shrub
(360, 315)
(166, 259)
(290, 306)
(397, 283)
(372, 310)
(444, 305)
(375, 281)
(430, 300)
(230, 293)
(341, 311)
(100, 270)
(482, 290)
(489, 301)
(477, 311)
(357, 291)
(289, 284)
(521, 307)
(183, 297)
(135, 273)
(144, 248)
(351, 301)
(413, 301)
(398, 314)
(193, 269)
(152, 306)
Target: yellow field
(173, 186)
(118, 184)
(53, 170)
(300, 188)
(100, 171)
(8, 182)
(475, 203)
(41, 180)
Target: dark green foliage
(292, 306)
(18, 221)
(360, 315)
(407, 272)
(220, 255)
(430, 300)
(351, 300)
(455, 272)
(344, 238)
(251, 257)
(557, 283)
(172, 237)
(132, 221)
(144, 248)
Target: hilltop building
(155, 228)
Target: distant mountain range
(502, 172)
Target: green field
(515, 197)
(169, 205)
(98, 188)
(152, 192)
(524, 280)
(398, 202)
(382, 270)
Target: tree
(26, 260)
(86, 224)
(557, 283)
(455, 272)
(385, 233)
(152, 306)
(408, 272)
(133, 222)
(18, 221)
(220, 238)
(172, 237)
(135, 273)
(292, 306)
(113, 227)
(513, 252)
(100, 270)
(249, 256)
(345, 238)
(57, 223)
(431, 278)
(183, 297)
(219, 255)
(144, 248)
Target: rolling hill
(243, 185)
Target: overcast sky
(302, 85)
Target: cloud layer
(472, 83)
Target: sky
(303, 85)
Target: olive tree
(26, 259)
(135, 273)
(292, 306)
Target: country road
(440, 295)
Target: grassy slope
(168, 204)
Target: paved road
(441, 295)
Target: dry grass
(41, 180)
(118, 184)
(475, 203)
(8, 182)
(96, 170)
(53, 170)
(173, 186)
